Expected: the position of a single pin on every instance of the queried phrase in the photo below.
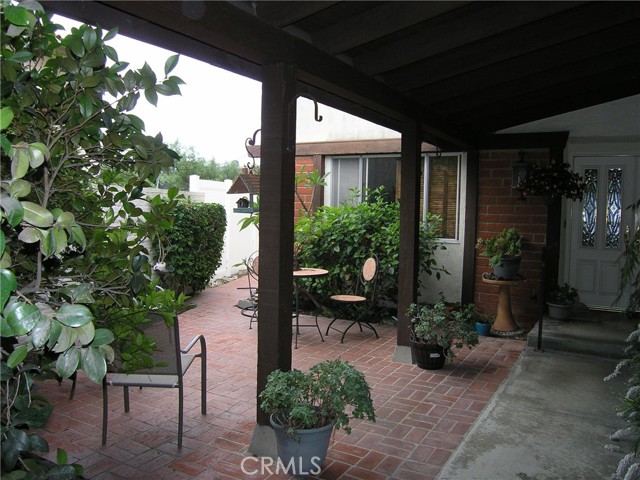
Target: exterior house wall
(312, 156)
(500, 206)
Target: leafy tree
(75, 241)
(191, 163)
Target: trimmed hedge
(195, 245)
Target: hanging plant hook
(317, 117)
(250, 142)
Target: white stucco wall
(335, 125)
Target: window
(440, 187)
(362, 173)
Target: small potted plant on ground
(436, 329)
(560, 301)
(304, 408)
(483, 323)
(504, 252)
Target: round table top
(310, 272)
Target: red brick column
(500, 206)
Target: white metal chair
(172, 363)
(364, 292)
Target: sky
(216, 112)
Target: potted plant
(483, 323)
(304, 409)
(504, 252)
(560, 301)
(436, 329)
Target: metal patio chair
(363, 296)
(250, 310)
(172, 363)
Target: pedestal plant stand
(504, 324)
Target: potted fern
(436, 329)
(504, 252)
(304, 409)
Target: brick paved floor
(422, 414)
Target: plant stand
(504, 325)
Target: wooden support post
(277, 171)
(409, 226)
(470, 226)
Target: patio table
(305, 272)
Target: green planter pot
(306, 451)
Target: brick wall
(499, 207)
(306, 162)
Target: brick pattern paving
(422, 415)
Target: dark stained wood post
(409, 225)
(470, 226)
(277, 169)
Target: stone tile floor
(422, 415)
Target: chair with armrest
(171, 361)
(362, 297)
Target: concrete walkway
(550, 419)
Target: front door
(598, 225)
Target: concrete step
(590, 332)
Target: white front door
(598, 225)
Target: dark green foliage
(195, 245)
(443, 324)
(73, 237)
(333, 391)
(340, 239)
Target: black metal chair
(250, 310)
(362, 297)
(172, 363)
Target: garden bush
(341, 238)
(194, 246)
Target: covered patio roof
(446, 73)
(462, 69)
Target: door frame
(592, 147)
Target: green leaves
(74, 315)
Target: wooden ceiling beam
(471, 24)
(589, 91)
(566, 26)
(283, 14)
(518, 68)
(569, 73)
(376, 23)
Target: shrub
(341, 238)
(72, 248)
(195, 245)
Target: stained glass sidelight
(590, 207)
(614, 208)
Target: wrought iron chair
(251, 308)
(363, 297)
(172, 363)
